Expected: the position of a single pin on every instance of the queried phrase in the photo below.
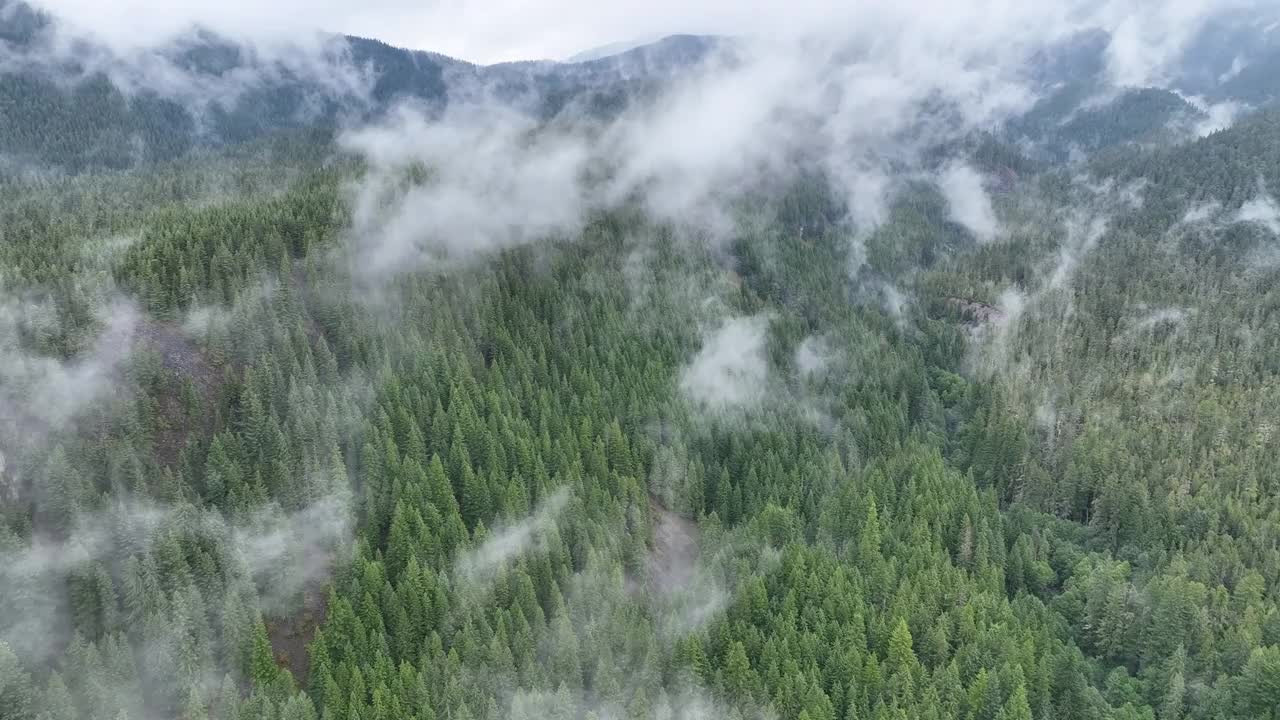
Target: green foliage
(1072, 518)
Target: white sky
(478, 30)
(488, 31)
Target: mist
(487, 183)
(288, 553)
(283, 554)
(863, 103)
(968, 201)
(149, 59)
(730, 373)
(812, 356)
(1261, 210)
(1082, 233)
(42, 395)
(744, 296)
(476, 567)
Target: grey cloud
(1213, 116)
(894, 302)
(1237, 66)
(861, 101)
(34, 618)
(686, 703)
(287, 553)
(993, 346)
(1148, 36)
(749, 119)
(1219, 116)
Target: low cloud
(1202, 212)
(1083, 233)
(478, 567)
(860, 103)
(1149, 35)
(1238, 64)
(1210, 116)
(41, 394)
(993, 340)
(812, 356)
(288, 553)
(476, 181)
(1158, 317)
(1148, 38)
(680, 703)
(1262, 210)
(285, 553)
(731, 372)
(199, 71)
(1219, 116)
(969, 203)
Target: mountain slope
(483, 432)
(89, 107)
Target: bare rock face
(978, 312)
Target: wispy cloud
(478, 566)
(730, 372)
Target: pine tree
(262, 669)
(57, 703)
(1016, 707)
(17, 696)
(869, 535)
(738, 681)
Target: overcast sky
(488, 31)
(477, 30)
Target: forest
(288, 432)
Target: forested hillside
(1005, 453)
(69, 104)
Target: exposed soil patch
(291, 635)
(181, 359)
(674, 555)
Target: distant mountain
(671, 53)
(611, 49)
(1076, 59)
(74, 105)
(1233, 57)
(71, 104)
(1083, 118)
(19, 22)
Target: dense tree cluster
(455, 499)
